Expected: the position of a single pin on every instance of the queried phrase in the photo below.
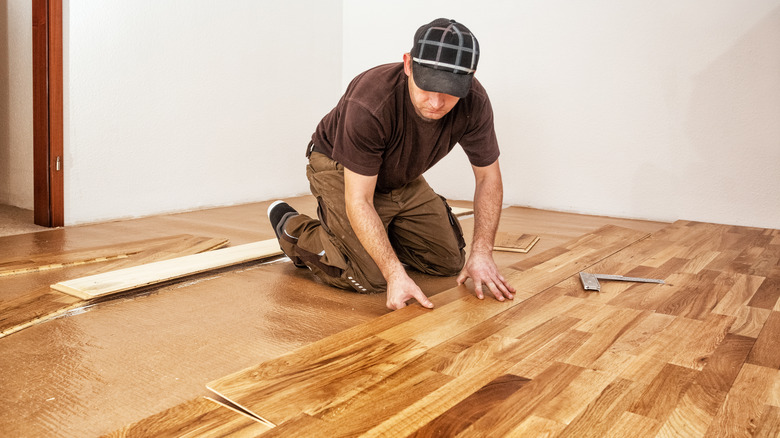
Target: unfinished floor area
(284, 355)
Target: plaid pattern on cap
(449, 48)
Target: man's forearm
(488, 198)
(369, 230)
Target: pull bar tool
(591, 281)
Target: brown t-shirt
(374, 129)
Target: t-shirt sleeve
(359, 141)
(479, 141)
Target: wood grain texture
(514, 242)
(113, 282)
(202, 417)
(691, 357)
(34, 302)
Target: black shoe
(279, 212)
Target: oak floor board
(557, 350)
(604, 334)
(769, 424)
(703, 399)
(766, 351)
(663, 394)
(536, 427)
(585, 358)
(576, 397)
(522, 403)
(360, 413)
(633, 425)
(741, 292)
(58, 260)
(767, 295)
(201, 417)
(462, 415)
(113, 282)
(750, 321)
(29, 301)
(605, 411)
(745, 403)
(701, 343)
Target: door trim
(48, 165)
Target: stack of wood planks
(696, 356)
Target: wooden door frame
(47, 113)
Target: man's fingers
(422, 299)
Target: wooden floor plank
(201, 417)
(766, 351)
(605, 411)
(35, 302)
(58, 260)
(745, 403)
(701, 402)
(472, 408)
(107, 283)
(634, 360)
(521, 404)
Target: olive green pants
(419, 223)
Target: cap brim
(440, 81)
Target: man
(366, 159)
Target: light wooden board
(139, 276)
(461, 211)
(319, 369)
(655, 359)
(202, 417)
(514, 242)
(35, 302)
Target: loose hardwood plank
(766, 351)
(44, 262)
(200, 417)
(514, 242)
(139, 276)
(461, 211)
(42, 303)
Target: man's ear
(408, 64)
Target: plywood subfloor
(123, 361)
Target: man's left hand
(483, 270)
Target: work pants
(419, 223)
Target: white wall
(16, 109)
(182, 104)
(659, 110)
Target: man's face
(427, 104)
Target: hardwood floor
(653, 358)
(690, 357)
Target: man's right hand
(401, 289)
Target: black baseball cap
(444, 57)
